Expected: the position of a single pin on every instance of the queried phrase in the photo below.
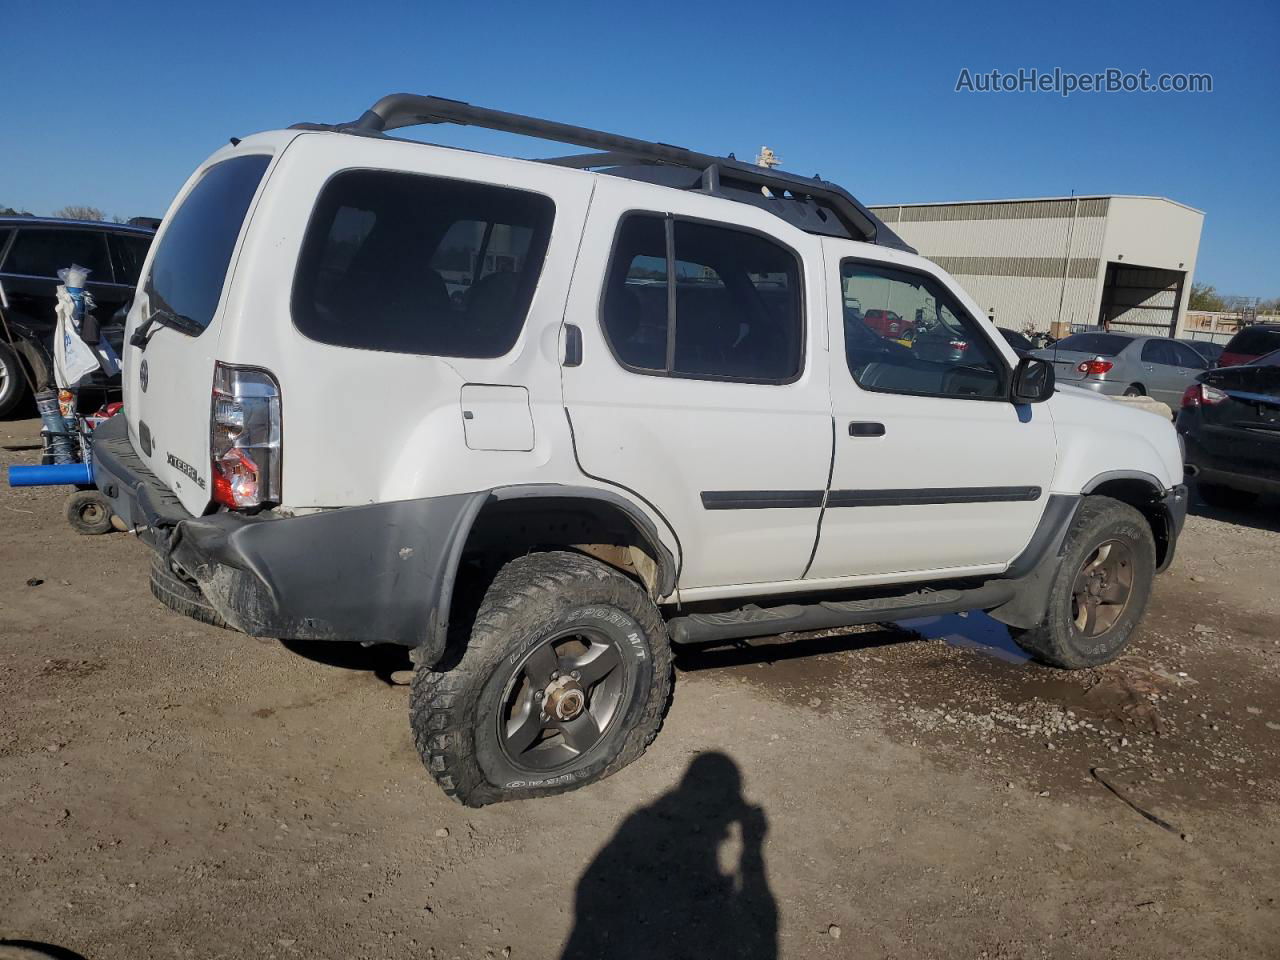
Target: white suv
(536, 420)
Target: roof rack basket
(810, 203)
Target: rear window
(191, 263)
(407, 263)
(1256, 340)
(1101, 344)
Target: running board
(754, 621)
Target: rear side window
(190, 266)
(1257, 340)
(42, 253)
(407, 263)
(1099, 344)
(1159, 351)
(129, 253)
(699, 300)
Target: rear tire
(177, 594)
(511, 720)
(89, 513)
(1133, 390)
(1229, 498)
(1099, 591)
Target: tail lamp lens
(1095, 366)
(1202, 395)
(244, 438)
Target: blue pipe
(52, 475)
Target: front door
(936, 473)
(702, 382)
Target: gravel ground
(173, 790)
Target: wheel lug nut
(538, 694)
(576, 674)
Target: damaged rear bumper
(380, 573)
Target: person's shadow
(682, 877)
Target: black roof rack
(810, 203)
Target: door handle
(572, 345)
(865, 428)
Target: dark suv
(32, 250)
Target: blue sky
(113, 104)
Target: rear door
(1163, 372)
(31, 269)
(702, 385)
(168, 380)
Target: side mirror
(1033, 381)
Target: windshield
(1100, 344)
(190, 265)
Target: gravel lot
(173, 790)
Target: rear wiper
(165, 318)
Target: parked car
(1020, 344)
(1206, 348)
(32, 250)
(535, 502)
(1230, 423)
(1250, 343)
(887, 323)
(1122, 364)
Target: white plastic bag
(72, 358)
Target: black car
(32, 250)
(1206, 348)
(1230, 423)
(1020, 344)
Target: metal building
(1054, 263)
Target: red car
(1250, 344)
(887, 324)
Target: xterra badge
(186, 468)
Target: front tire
(564, 681)
(1100, 589)
(13, 384)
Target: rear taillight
(1202, 395)
(244, 438)
(959, 345)
(1095, 366)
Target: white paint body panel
(363, 426)
(669, 438)
(928, 442)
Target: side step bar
(754, 621)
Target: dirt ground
(173, 790)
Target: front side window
(191, 263)
(904, 333)
(407, 263)
(42, 253)
(1188, 357)
(704, 301)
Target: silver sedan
(1126, 364)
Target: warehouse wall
(1011, 255)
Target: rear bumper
(1107, 388)
(380, 573)
(1207, 463)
